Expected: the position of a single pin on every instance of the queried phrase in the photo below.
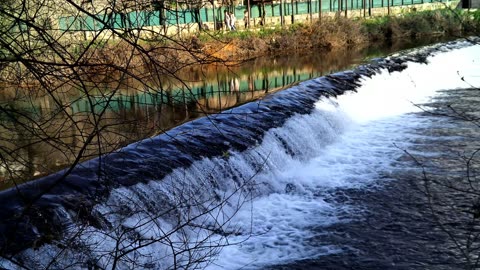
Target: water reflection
(40, 134)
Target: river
(362, 200)
(373, 168)
(56, 129)
(135, 113)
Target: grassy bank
(340, 33)
(107, 60)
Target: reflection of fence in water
(201, 94)
(170, 16)
(128, 117)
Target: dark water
(326, 174)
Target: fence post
(320, 10)
(176, 17)
(214, 18)
(310, 10)
(249, 13)
(346, 8)
(293, 13)
(282, 22)
(364, 4)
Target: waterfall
(237, 189)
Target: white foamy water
(263, 206)
(377, 120)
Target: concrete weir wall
(270, 21)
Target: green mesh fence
(138, 19)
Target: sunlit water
(377, 123)
(313, 192)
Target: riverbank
(322, 36)
(340, 33)
(108, 58)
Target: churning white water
(259, 207)
(371, 131)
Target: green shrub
(417, 24)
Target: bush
(341, 33)
(419, 24)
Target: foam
(271, 200)
(377, 120)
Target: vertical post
(364, 3)
(346, 8)
(263, 13)
(320, 10)
(293, 15)
(249, 13)
(282, 22)
(214, 18)
(310, 10)
(176, 17)
(388, 8)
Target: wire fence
(172, 16)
